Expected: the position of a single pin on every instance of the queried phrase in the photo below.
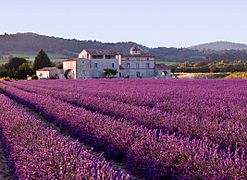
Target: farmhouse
(93, 63)
(137, 64)
(49, 73)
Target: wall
(43, 74)
(55, 73)
(143, 70)
(70, 65)
(103, 64)
(84, 70)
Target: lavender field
(124, 129)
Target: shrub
(35, 77)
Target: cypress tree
(41, 60)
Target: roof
(101, 52)
(47, 69)
(138, 55)
(68, 60)
(161, 66)
(135, 48)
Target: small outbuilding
(162, 71)
(49, 73)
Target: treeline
(20, 68)
(215, 67)
(227, 55)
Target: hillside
(32, 43)
(220, 46)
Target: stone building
(49, 73)
(137, 64)
(92, 64)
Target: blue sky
(170, 23)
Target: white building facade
(92, 64)
(137, 64)
(49, 73)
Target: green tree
(23, 70)
(41, 60)
(14, 63)
(110, 72)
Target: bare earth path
(4, 171)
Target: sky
(153, 23)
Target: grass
(166, 62)
(32, 55)
(202, 75)
(238, 75)
(2, 62)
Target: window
(148, 58)
(147, 65)
(96, 65)
(109, 57)
(83, 62)
(128, 65)
(137, 65)
(112, 65)
(97, 57)
(138, 74)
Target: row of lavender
(155, 91)
(221, 98)
(143, 150)
(221, 126)
(35, 151)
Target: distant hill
(220, 46)
(32, 43)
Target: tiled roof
(161, 66)
(68, 60)
(100, 52)
(74, 59)
(138, 55)
(47, 69)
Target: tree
(14, 63)
(110, 72)
(41, 60)
(23, 70)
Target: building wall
(84, 70)
(138, 58)
(161, 73)
(97, 70)
(43, 74)
(137, 73)
(137, 68)
(72, 66)
(49, 74)
(55, 73)
(84, 54)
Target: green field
(167, 63)
(32, 55)
(2, 62)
